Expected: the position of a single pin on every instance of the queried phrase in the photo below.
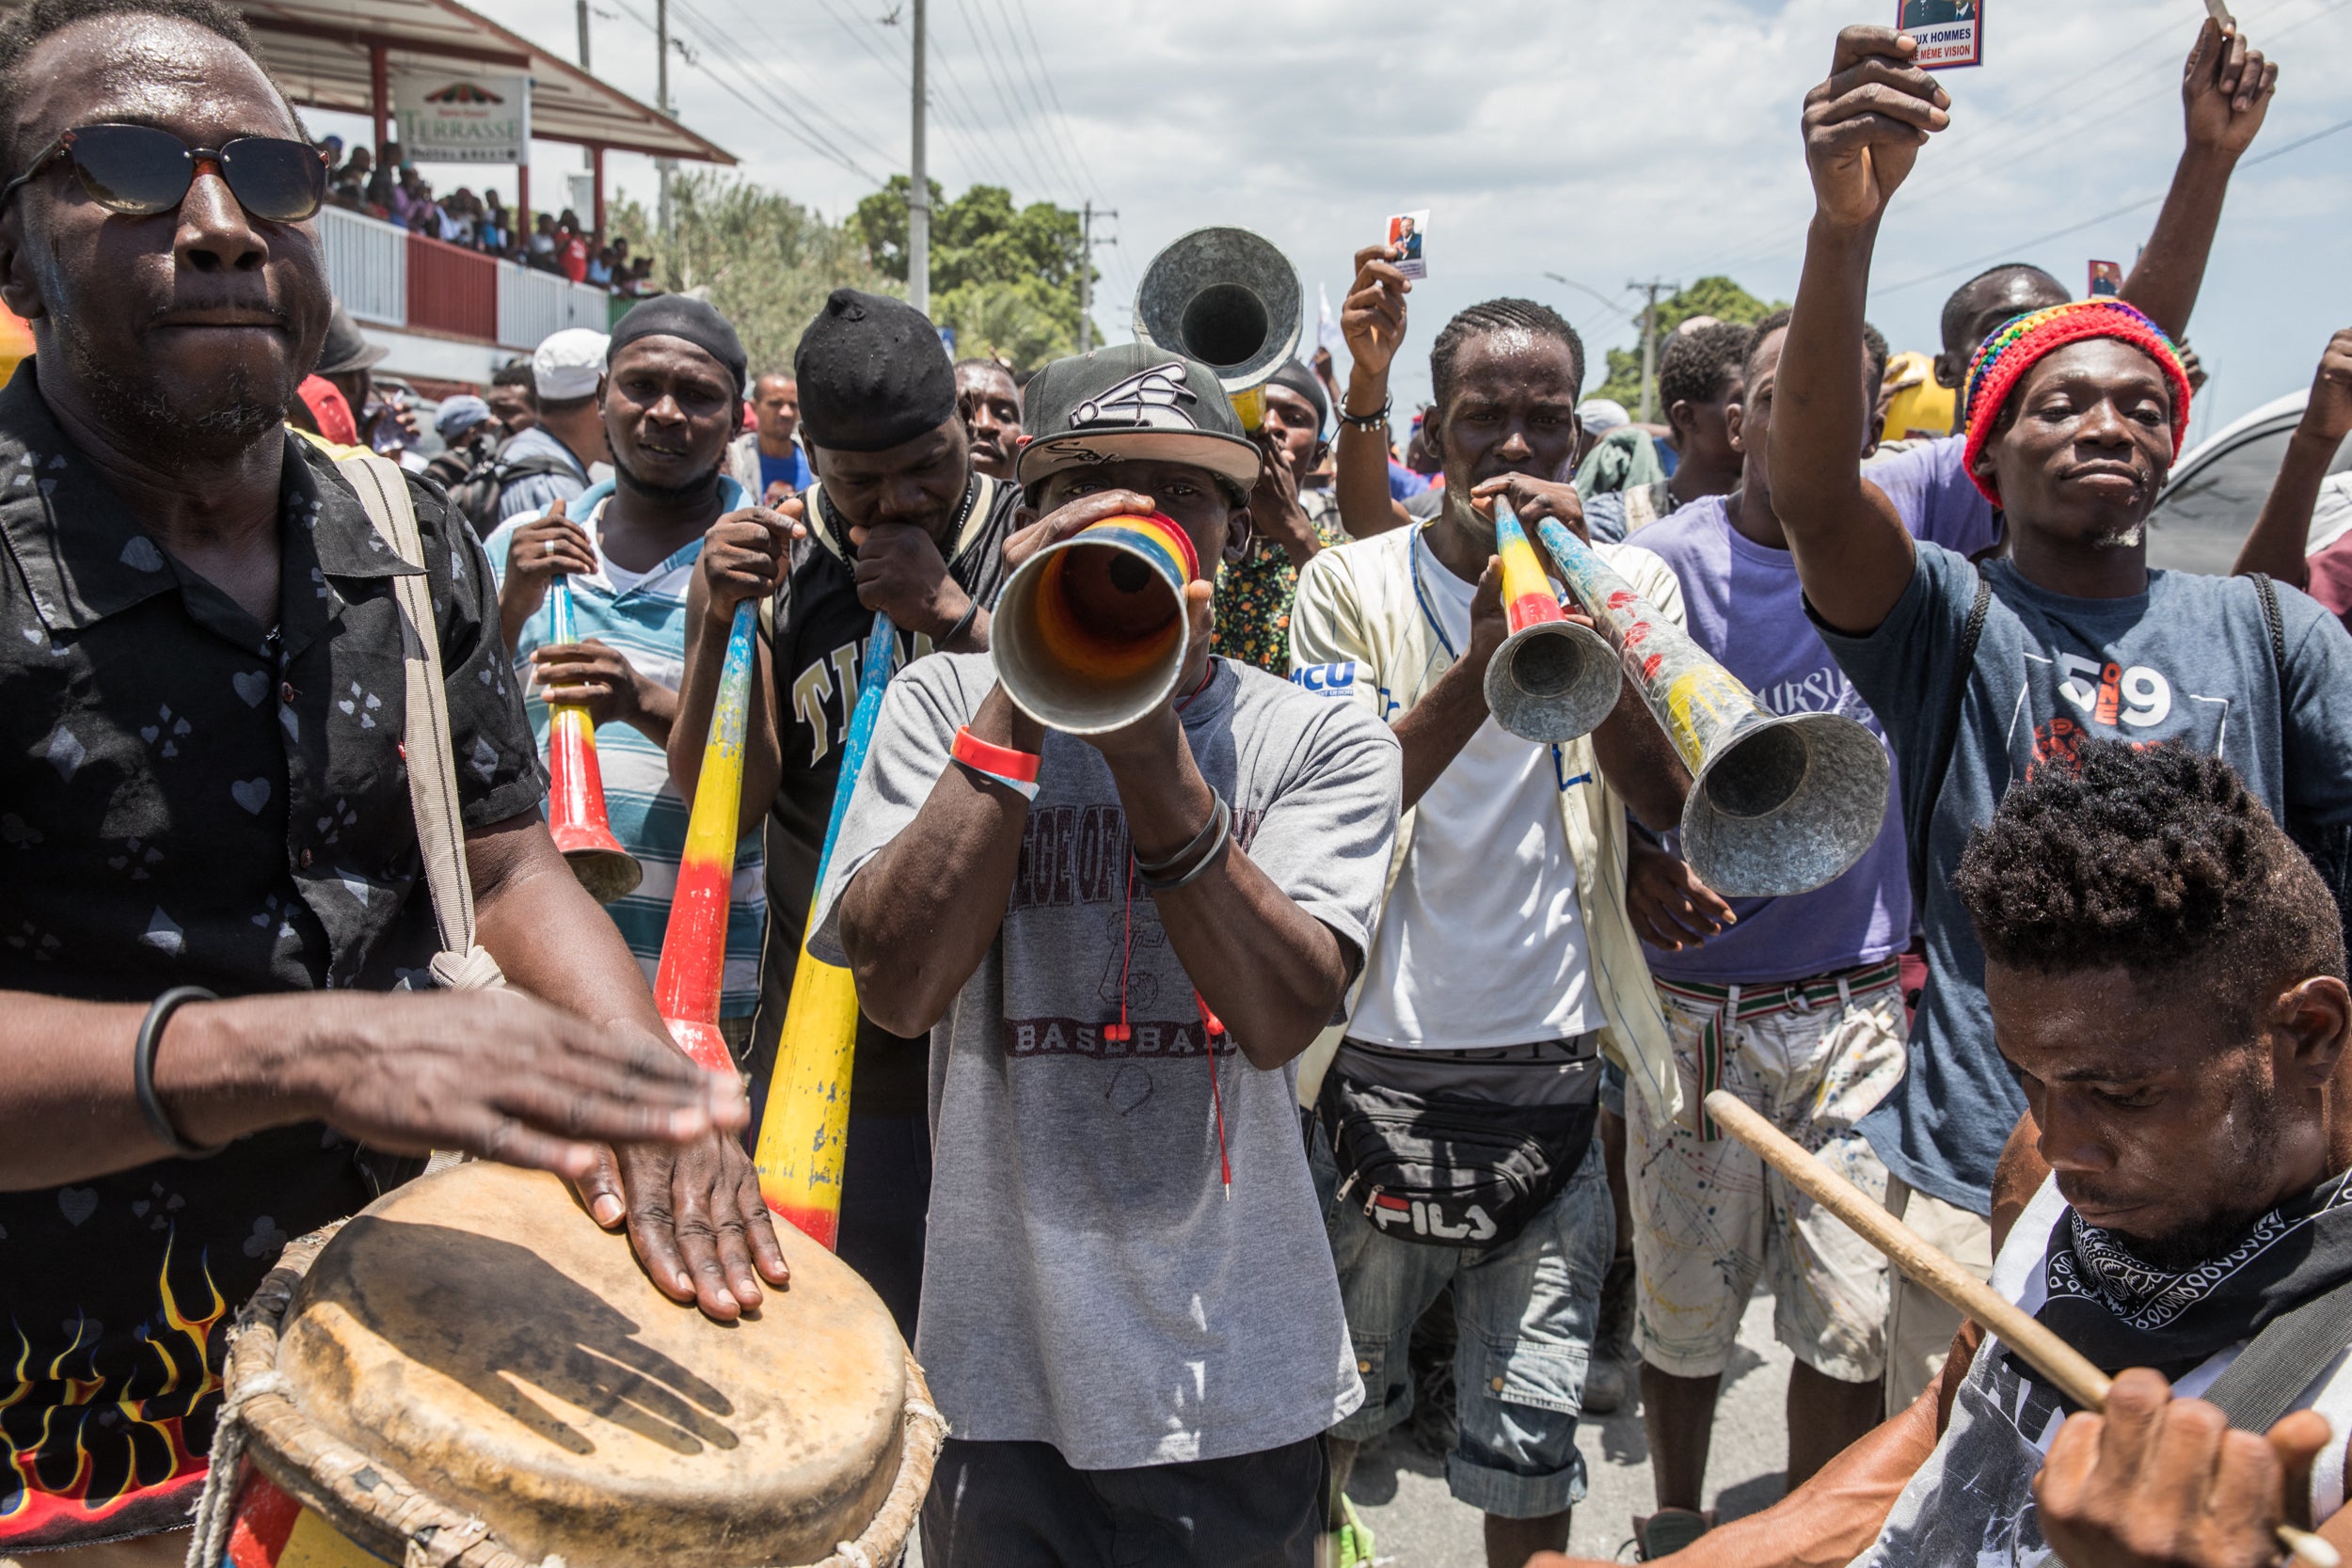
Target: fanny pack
(1446, 1171)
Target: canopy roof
(320, 51)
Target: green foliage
(1718, 297)
(767, 261)
(1004, 279)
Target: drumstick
(2043, 1350)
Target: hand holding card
(1407, 234)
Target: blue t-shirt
(646, 622)
(2188, 660)
(792, 468)
(1403, 485)
(1745, 607)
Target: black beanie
(1300, 379)
(680, 316)
(873, 375)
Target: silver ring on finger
(546, 547)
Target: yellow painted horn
(1777, 805)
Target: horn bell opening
(1553, 682)
(1787, 807)
(1089, 635)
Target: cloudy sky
(1602, 142)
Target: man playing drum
(206, 717)
(2165, 973)
(1121, 943)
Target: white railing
(367, 264)
(585, 305)
(531, 305)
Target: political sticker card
(1950, 32)
(2107, 280)
(1409, 233)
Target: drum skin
(477, 1334)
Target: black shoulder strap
(2270, 1374)
(1922, 810)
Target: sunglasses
(139, 170)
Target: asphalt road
(1401, 1492)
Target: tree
(1718, 297)
(766, 261)
(1004, 279)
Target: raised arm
(744, 556)
(2226, 89)
(1373, 322)
(2282, 536)
(918, 917)
(1863, 131)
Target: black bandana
(692, 320)
(2122, 1312)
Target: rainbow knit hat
(2026, 340)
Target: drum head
(479, 1335)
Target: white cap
(568, 364)
(1599, 416)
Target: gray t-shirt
(2189, 660)
(1086, 1283)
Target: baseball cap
(568, 364)
(1132, 401)
(1599, 416)
(346, 349)
(459, 414)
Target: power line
(810, 137)
(1015, 124)
(2104, 218)
(715, 38)
(1057, 145)
(1077, 151)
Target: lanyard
(1436, 627)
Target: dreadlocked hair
(1497, 315)
(2156, 860)
(1873, 344)
(26, 29)
(1703, 363)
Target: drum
(471, 1372)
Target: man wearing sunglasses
(202, 711)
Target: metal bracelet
(1221, 824)
(1192, 846)
(143, 1071)
(1370, 423)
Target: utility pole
(918, 193)
(1649, 340)
(662, 167)
(583, 34)
(1087, 243)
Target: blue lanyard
(1429, 610)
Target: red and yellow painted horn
(803, 1132)
(688, 984)
(576, 813)
(1552, 679)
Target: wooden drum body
(472, 1371)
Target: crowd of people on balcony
(388, 188)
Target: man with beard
(213, 869)
(1504, 964)
(898, 522)
(2075, 415)
(990, 403)
(673, 385)
(2166, 971)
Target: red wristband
(973, 751)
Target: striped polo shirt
(646, 624)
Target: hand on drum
(695, 1218)
(493, 1073)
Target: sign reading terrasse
(452, 117)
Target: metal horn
(576, 813)
(1778, 805)
(1552, 680)
(1091, 634)
(1228, 299)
